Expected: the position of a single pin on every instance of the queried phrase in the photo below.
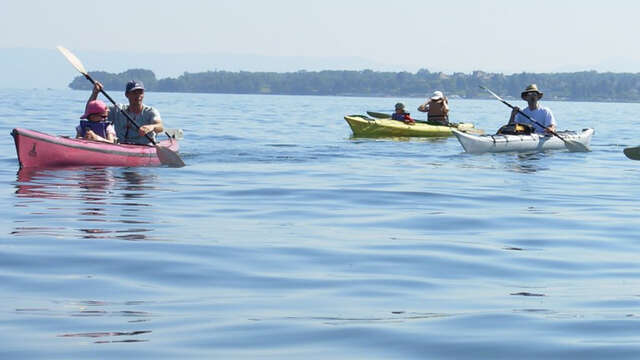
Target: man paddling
(542, 115)
(145, 116)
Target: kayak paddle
(379, 115)
(165, 155)
(632, 153)
(573, 146)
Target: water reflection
(98, 200)
(32, 183)
(93, 308)
(526, 162)
(110, 334)
(136, 185)
(434, 139)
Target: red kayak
(36, 149)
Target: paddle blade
(632, 153)
(72, 59)
(168, 157)
(575, 146)
(378, 115)
(491, 92)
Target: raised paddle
(573, 146)
(165, 155)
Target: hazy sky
(444, 35)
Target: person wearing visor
(542, 115)
(146, 117)
(94, 125)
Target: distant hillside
(27, 68)
(577, 86)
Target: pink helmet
(94, 107)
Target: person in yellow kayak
(542, 115)
(146, 117)
(94, 125)
(437, 109)
(402, 115)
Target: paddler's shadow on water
(134, 184)
(92, 196)
(526, 162)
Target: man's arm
(514, 112)
(552, 121)
(424, 107)
(156, 125)
(97, 87)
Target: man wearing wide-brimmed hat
(542, 115)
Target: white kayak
(477, 144)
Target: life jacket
(516, 129)
(401, 117)
(100, 128)
(437, 113)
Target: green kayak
(364, 126)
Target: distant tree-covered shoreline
(576, 86)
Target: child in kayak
(94, 125)
(401, 115)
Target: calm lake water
(284, 238)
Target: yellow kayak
(364, 126)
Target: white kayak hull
(478, 144)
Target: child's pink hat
(94, 107)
